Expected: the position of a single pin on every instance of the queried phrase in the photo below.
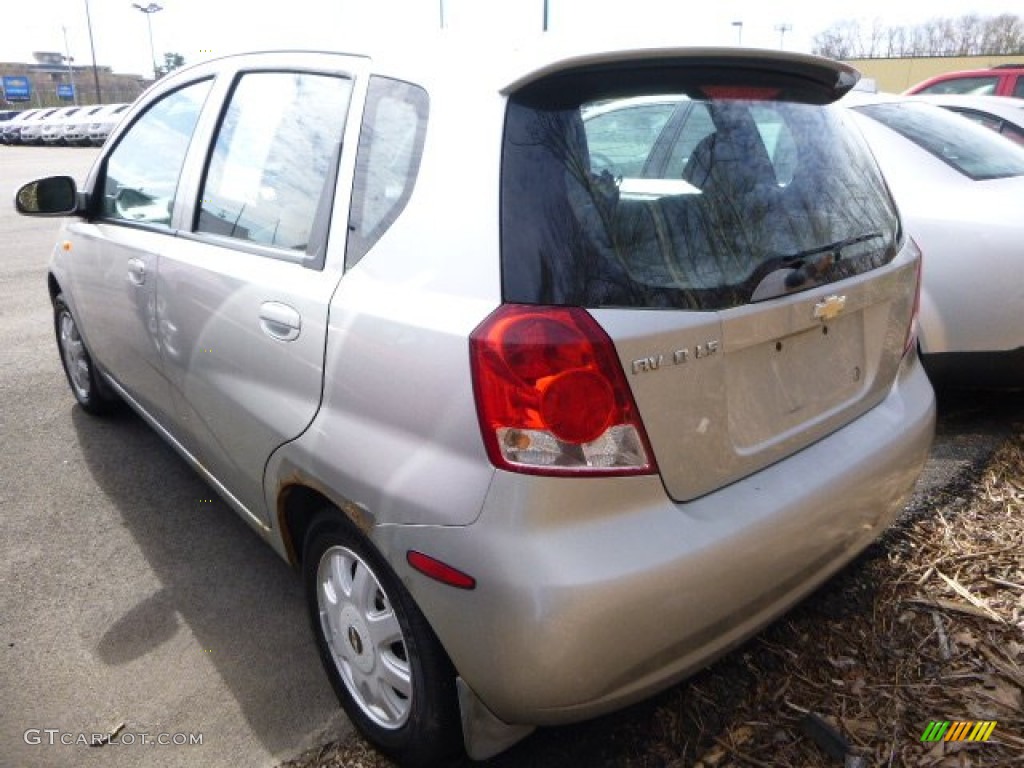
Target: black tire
(419, 729)
(87, 385)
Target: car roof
(861, 98)
(1002, 69)
(506, 67)
(997, 105)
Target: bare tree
(968, 35)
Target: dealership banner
(17, 88)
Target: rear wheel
(387, 667)
(86, 384)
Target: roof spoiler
(798, 77)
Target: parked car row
(83, 126)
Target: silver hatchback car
(546, 417)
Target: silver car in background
(1002, 114)
(541, 449)
(960, 188)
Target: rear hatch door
(731, 234)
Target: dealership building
(52, 80)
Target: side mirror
(52, 196)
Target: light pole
(739, 32)
(149, 10)
(547, 9)
(782, 29)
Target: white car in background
(10, 130)
(960, 189)
(32, 128)
(1003, 114)
(53, 129)
(104, 122)
(75, 130)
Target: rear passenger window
(142, 172)
(390, 147)
(275, 151)
(1018, 89)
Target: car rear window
(970, 149)
(680, 200)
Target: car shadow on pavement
(218, 579)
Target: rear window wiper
(803, 268)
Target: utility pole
(149, 10)
(92, 47)
(782, 29)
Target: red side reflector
(744, 92)
(439, 571)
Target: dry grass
(927, 625)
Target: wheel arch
(52, 286)
(300, 504)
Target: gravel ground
(927, 625)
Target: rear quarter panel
(397, 433)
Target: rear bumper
(594, 593)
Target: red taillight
(551, 395)
(911, 337)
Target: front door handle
(136, 271)
(279, 321)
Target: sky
(203, 29)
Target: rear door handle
(279, 321)
(137, 270)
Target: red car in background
(1004, 80)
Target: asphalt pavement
(134, 601)
(131, 597)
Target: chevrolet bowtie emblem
(830, 308)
